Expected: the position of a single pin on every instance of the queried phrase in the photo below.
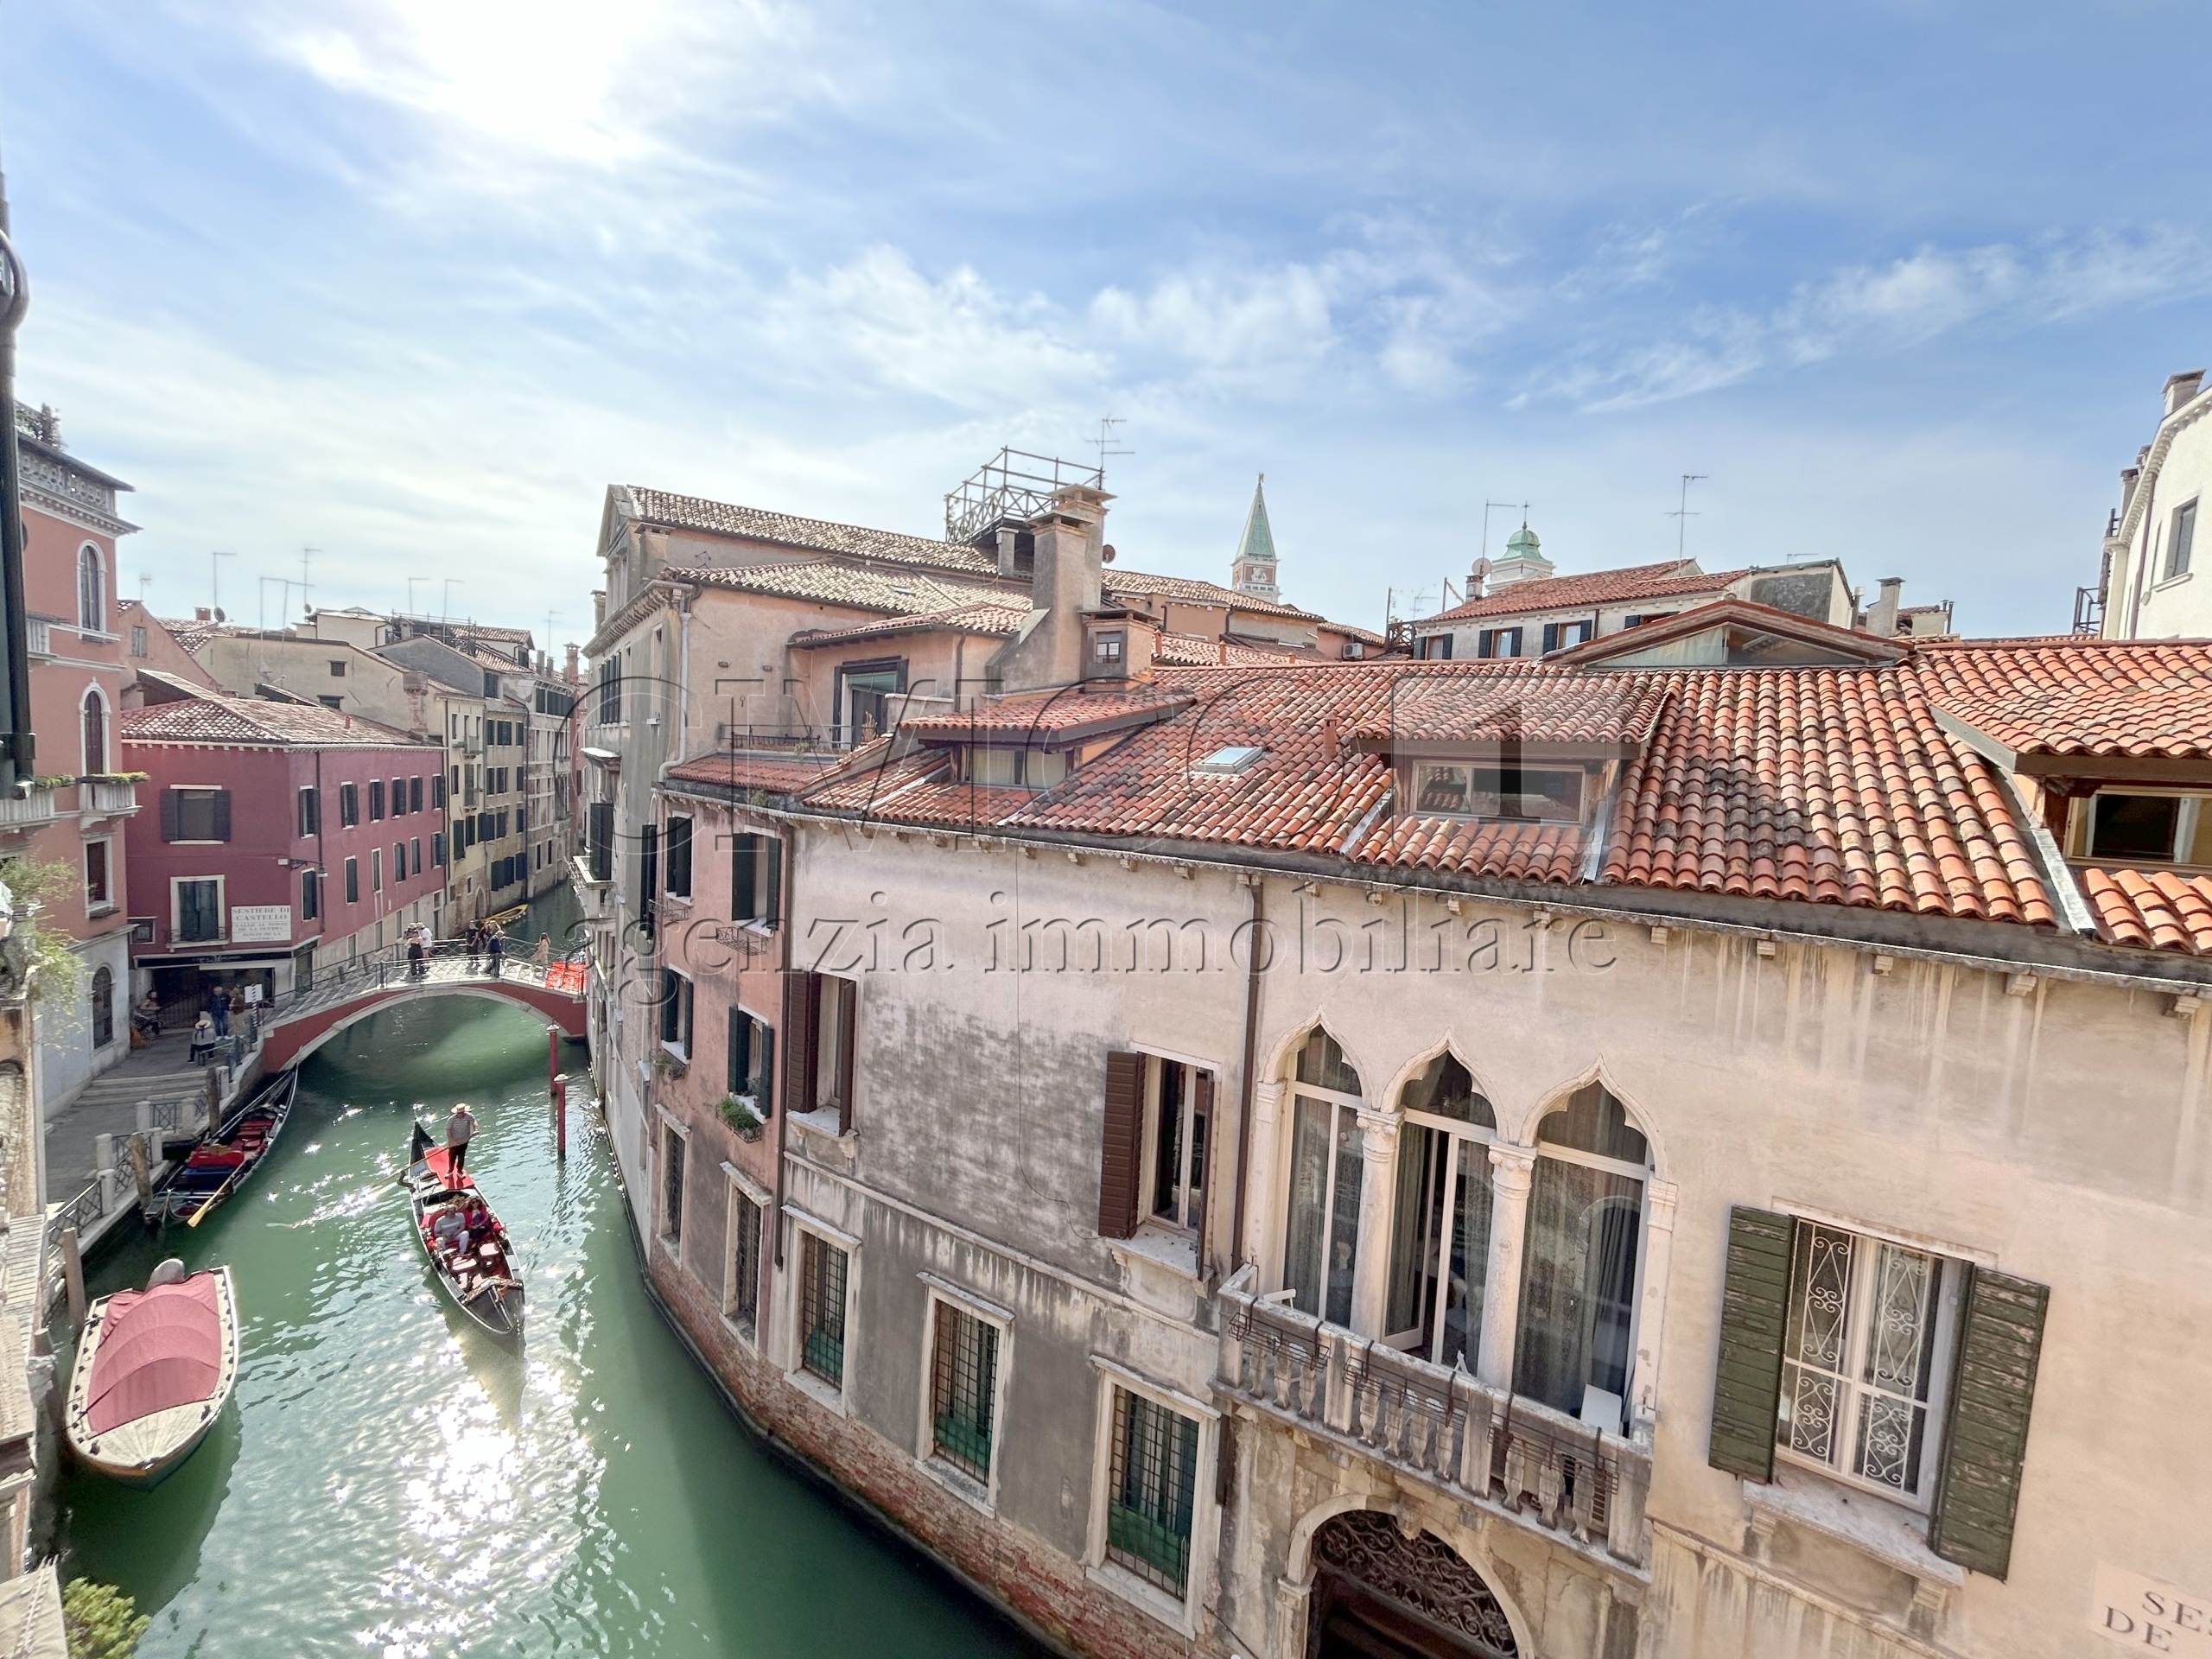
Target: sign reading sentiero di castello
(2151, 1616)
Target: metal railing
(1438, 1425)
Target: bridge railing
(394, 966)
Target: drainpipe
(1244, 1083)
(786, 880)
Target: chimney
(572, 670)
(1882, 618)
(2180, 387)
(1477, 578)
(1049, 650)
(1008, 535)
(201, 614)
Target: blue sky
(411, 281)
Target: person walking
(460, 1130)
(414, 951)
(475, 943)
(219, 1010)
(495, 946)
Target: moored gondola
(465, 1243)
(221, 1162)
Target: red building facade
(278, 838)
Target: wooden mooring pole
(560, 1115)
(72, 1275)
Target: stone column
(1513, 1172)
(1370, 1281)
(1658, 1251)
(1260, 1176)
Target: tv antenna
(215, 581)
(1683, 515)
(1522, 505)
(1105, 441)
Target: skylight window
(1228, 762)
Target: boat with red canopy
(154, 1370)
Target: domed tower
(1254, 569)
(1524, 561)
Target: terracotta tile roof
(1513, 852)
(1831, 785)
(750, 770)
(902, 592)
(2068, 695)
(1047, 715)
(1669, 579)
(1189, 651)
(206, 717)
(1519, 702)
(814, 535)
(190, 634)
(985, 616)
(2162, 910)
(1186, 590)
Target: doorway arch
(1378, 1592)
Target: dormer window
(1106, 649)
(2132, 827)
(1013, 768)
(1548, 795)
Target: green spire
(1254, 569)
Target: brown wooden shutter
(1121, 1155)
(799, 1025)
(1202, 1111)
(1747, 1377)
(1986, 1439)
(771, 902)
(847, 1002)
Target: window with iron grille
(671, 1188)
(821, 1309)
(1152, 1483)
(1865, 1350)
(964, 1382)
(744, 1308)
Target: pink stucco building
(278, 838)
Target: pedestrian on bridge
(475, 943)
(414, 951)
(495, 946)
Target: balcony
(106, 797)
(34, 811)
(1436, 1427)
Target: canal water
(389, 1483)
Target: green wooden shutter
(745, 862)
(740, 1064)
(1985, 1439)
(172, 815)
(771, 880)
(1747, 1377)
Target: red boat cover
(159, 1348)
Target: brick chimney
(1049, 647)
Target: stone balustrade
(1440, 1428)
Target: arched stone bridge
(304, 1021)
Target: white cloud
(956, 339)
(1253, 321)
(1874, 309)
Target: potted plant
(742, 1115)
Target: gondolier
(461, 1128)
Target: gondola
(154, 1369)
(477, 1272)
(221, 1162)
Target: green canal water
(388, 1482)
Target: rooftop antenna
(305, 553)
(214, 580)
(445, 605)
(144, 582)
(1105, 442)
(261, 602)
(1683, 515)
(411, 581)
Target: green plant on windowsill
(741, 1115)
(58, 781)
(55, 971)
